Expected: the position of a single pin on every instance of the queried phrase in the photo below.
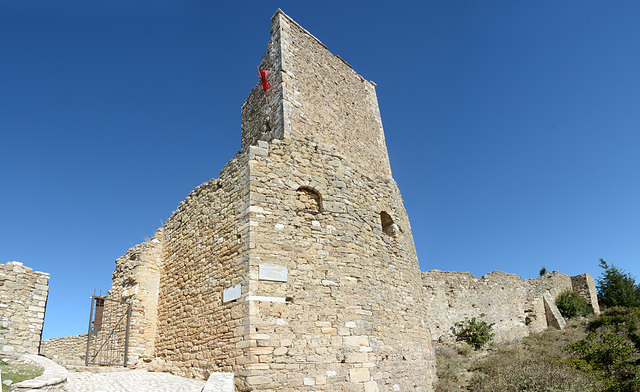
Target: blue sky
(512, 127)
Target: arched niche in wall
(309, 200)
(389, 227)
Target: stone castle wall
(136, 279)
(72, 347)
(515, 305)
(205, 242)
(349, 311)
(23, 299)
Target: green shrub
(543, 271)
(609, 350)
(476, 333)
(606, 354)
(619, 319)
(617, 288)
(571, 304)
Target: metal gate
(108, 336)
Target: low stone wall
(65, 348)
(23, 299)
(515, 305)
(53, 378)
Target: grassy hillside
(591, 354)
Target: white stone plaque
(232, 293)
(276, 273)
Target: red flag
(263, 79)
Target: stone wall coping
(279, 11)
(53, 373)
(26, 269)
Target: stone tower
(315, 94)
(295, 269)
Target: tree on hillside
(617, 288)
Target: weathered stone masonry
(23, 299)
(296, 268)
(315, 93)
(516, 306)
(68, 350)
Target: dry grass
(452, 362)
(532, 365)
(516, 369)
(549, 344)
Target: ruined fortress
(296, 268)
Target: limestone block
(371, 386)
(219, 382)
(257, 380)
(280, 351)
(260, 350)
(356, 340)
(157, 365)
(359, 375)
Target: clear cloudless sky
(512, 127)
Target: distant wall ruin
(23, 299)
(515, 305)
(586, 287)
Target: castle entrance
(108, 336)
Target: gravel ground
(131, 381)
